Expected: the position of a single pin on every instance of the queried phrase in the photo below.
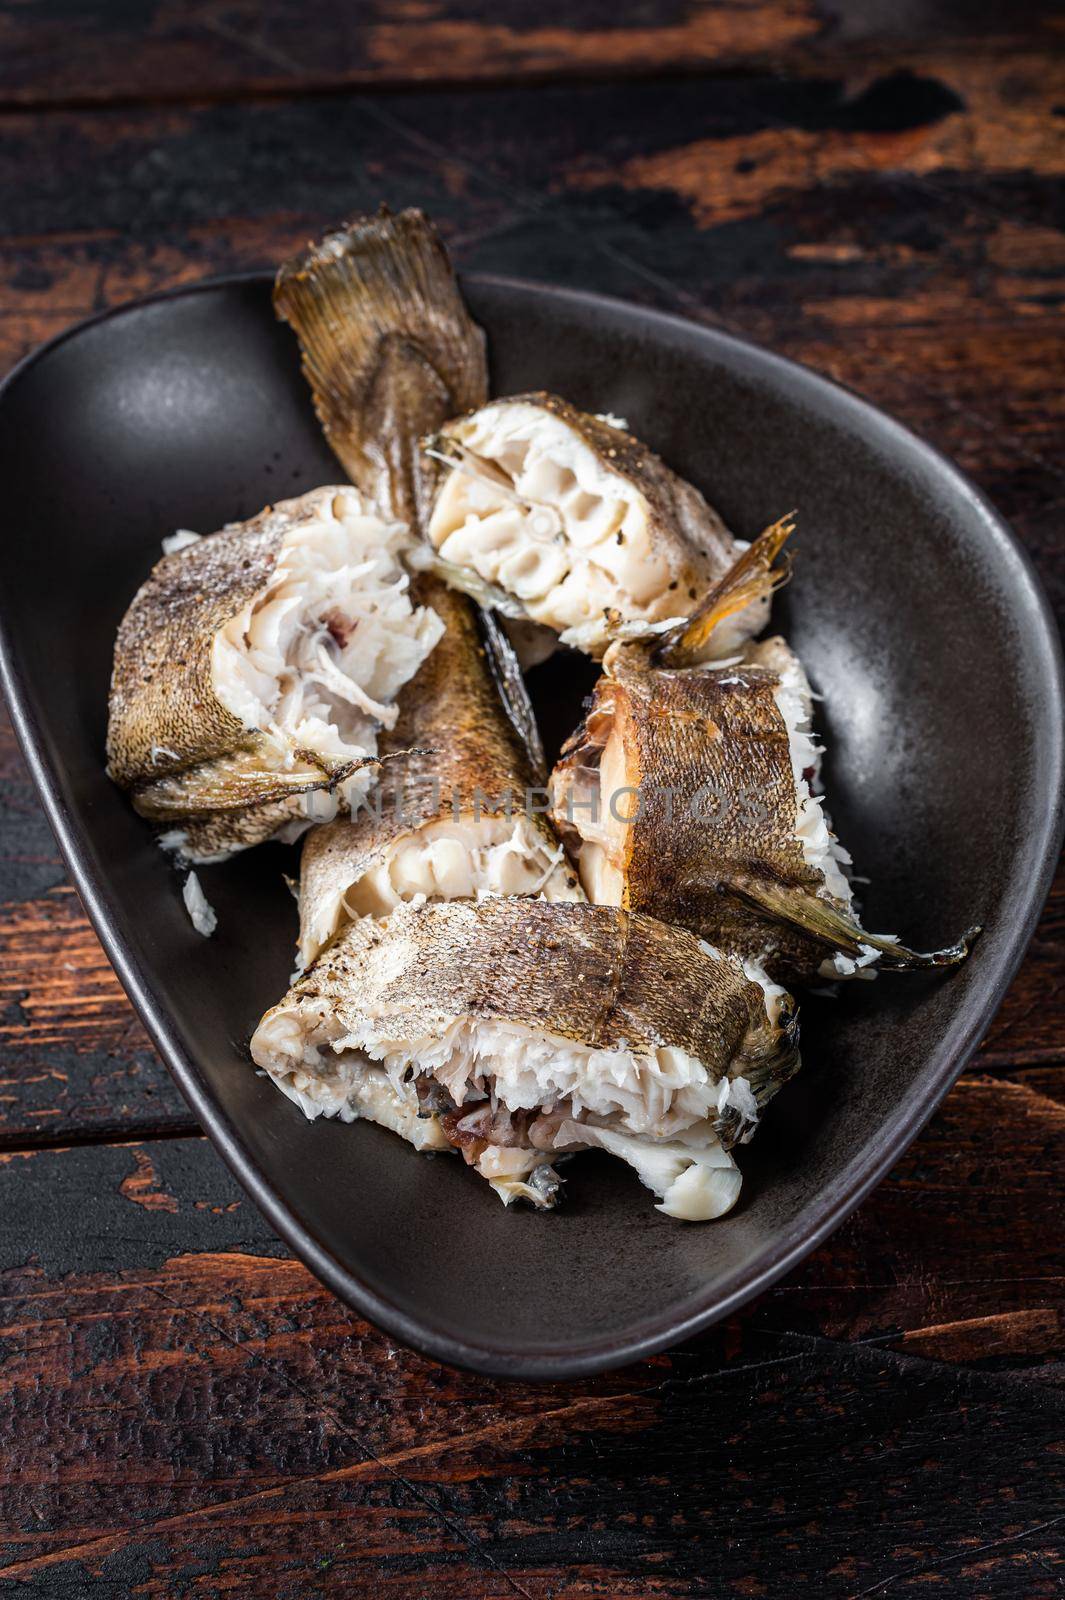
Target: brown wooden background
(873, 188)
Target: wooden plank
(957, 1248)
(74, 1059)
(181, 1404)
(99, 53)
(225, 49)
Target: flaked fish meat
(564, 519)
(255, 669)
(539, 1029)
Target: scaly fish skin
(708, 753)
(163, 714)
(585, 1024)
(389, 350)
(715, 843)
(205, 639)
(598, 976)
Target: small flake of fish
(179, 539)
(201, 912)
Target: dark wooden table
(868, 187)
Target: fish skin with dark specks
(685, 733)
(601, 977)
(728, 866)
(170, 741)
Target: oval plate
(916, 613)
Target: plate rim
(856, 1180)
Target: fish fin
(837, 930)
(423, 558)
(752, 576)
(233, 782)
(766, 1065)
(507, 675)
(389, 350)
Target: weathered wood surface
(100, 53)
(875, 190)
(179, 1406)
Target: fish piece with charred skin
(721, 829)
(591, 1026)
(561, 518)
(255, 667)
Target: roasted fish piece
(691, 793)
(255, 668)
(561, 518)
(390, 352)
(516, 1029)
(459, 818)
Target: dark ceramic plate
(916, 613)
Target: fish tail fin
(753, 576)
(839, 931)
(389, 349)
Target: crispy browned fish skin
(683, 527)
(713, 845)
(389, 350)
(170, 740)
(603, 978)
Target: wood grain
(210, 48)
(74, 1060)
(97, 53)
(211, 1409)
